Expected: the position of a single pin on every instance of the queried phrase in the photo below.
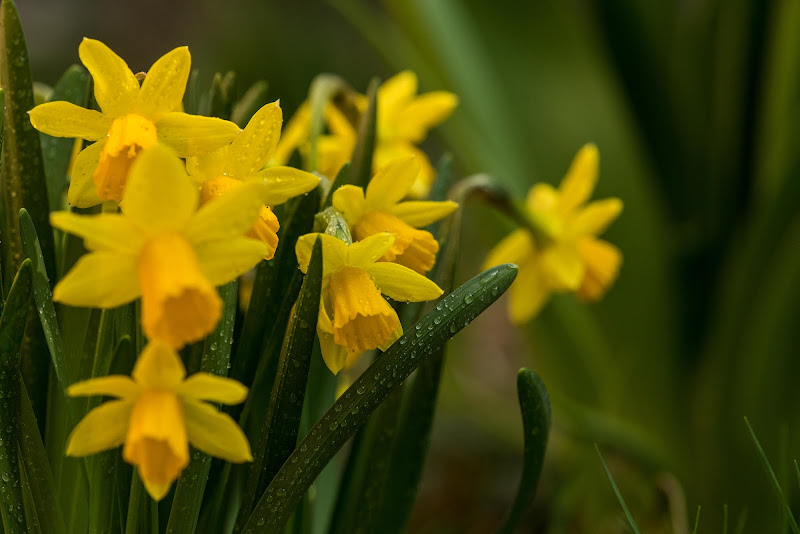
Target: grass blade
(353, 408)
(535, 406)
(252, 100)
(617, 492)
(361, 163)
(773, 479)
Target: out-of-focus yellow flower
(381, 210)
(243, 160)
(133, 119)
(163, 248)
(403, 121)
(156, 414)
(565, 255)
(353, 316)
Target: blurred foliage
(693, 105)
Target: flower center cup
(127, 137)
(179, 305)
(414, 248)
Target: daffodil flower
(164, 249)
(567, 256)
(133, 119)
(156, 413)
(353, 316)
(381, 210)
(403, 121)
(228, 167)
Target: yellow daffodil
(133, 119)
(403, 121)
(156, 414)
(565, 255)
(163, 248)
(353, 316)
(243, 160)
(380, 210)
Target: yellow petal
(595, 217)
(578, 184)
(163, 87)
(527, 294)
(335, 356)
(334, 252)
(603, 261)
(543, 198)
(411, 247)
(82, 191)
(396, 92)
(212, 388)
(266, 230)
(102, 428)
(284, 183)
(159, 366)
(224, 260)
(419, 213)
(192, 135)
(99, 280)
(403, 284)
(349, 199)
(516, 247)
(423, 113)
(229, 216)
(392, 183)
(109, 232)
(115, 86)
(179, 304)
(215, 433)
(156, 441)
(253, 147)
(332, 153)
(369, 250)
(207, 166)
(388, 152)
(159, 194)
(65, 119)
(562, 266)
(112, 386)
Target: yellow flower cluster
(560, 252)
(175, 236)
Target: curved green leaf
(353, 408)
(361, 162)
(535, 406)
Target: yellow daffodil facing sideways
(566, 255)
(353, 316)
(380, 210)
(244, 159)
(156, 414)
(133, 119)
(403, 121)
(163, 248)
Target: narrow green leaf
(725, 519)
(617, 492)
(23, 181)
(773, 479)
(192, 482)
(191, 105)
(43, 297)
(56, 151)
(341, 178)
(696, 521)
(12, 329)
(361, 163)
(282, 422)
(39, 486)
(252, 100)
(353, 408)
(535, 406)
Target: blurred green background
(694, 106)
